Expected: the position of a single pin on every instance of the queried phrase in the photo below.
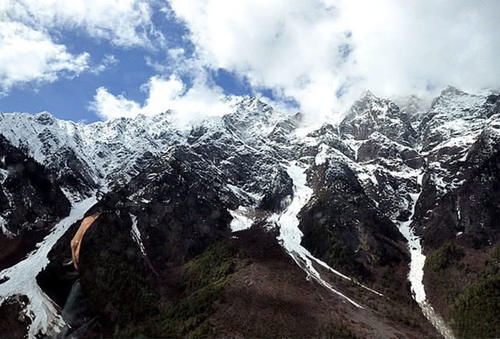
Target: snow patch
(4, 229)
(354, 145)
(22, 277)
(239, 192)
(240, 221)
(4, 174)
(321, 157)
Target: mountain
(254, 224)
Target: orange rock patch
(77, 239)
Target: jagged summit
(370, 114)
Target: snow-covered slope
(21, 278)
(93, 155)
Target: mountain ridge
(375, 179)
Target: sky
(90, 60)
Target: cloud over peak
(325, 53)
(164, 94)
(316, 56)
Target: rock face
(193, 222)
(371, 114)
(343, 227)
(30, 203)
(14, 324)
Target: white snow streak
(4, 174)
(290, 235)
(136, 234)
(4, 229)
(417, 262)
(22, 276)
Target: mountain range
(254, 223)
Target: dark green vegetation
(469, 295)
(203, 282)
(112, 271)
(446, 255)
(340, 332)
(201, 285)
(495, 255)
(476, 312)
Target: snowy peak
(451, 91)
(90, 156)
(372, 105)
(252, 106)
(455, 119)
(456, 103)
(45, 118)
(372, 114)
(411, 104)
(252, 118)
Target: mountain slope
(234, 225)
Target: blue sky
(89, 60)
(69, 97)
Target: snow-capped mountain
(249, 217)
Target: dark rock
(31, 202)
(13, 322)
(342, 226)
(492, 105)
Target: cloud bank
(325, 53)
(320, 54)
(123, 22)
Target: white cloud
(28, 55)
(30, 29)
(289, 47)
(306, 50)
(186, 105)
(123, 22)
(394, 48)
(108, 61)
(109, 106)
(403, 48)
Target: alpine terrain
(254, 224)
